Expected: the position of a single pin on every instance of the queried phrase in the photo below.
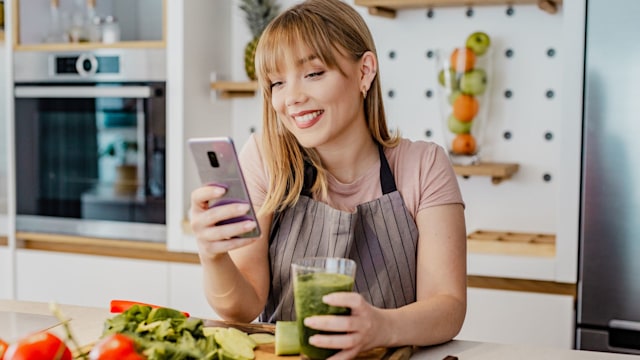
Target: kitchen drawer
(518, 317)
(89, 280)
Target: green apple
(474, 82)
(453, 96)
(448, 78)
(458, 127)
(478, 42)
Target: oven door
(90, 159)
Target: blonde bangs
(287, 41)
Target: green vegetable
(235, 343)
(164, 334)
(164, 313)
(263, 338)
(287, 340)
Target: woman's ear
(368, 70)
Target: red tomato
(115, 347)
(3, 348)
(42, 345)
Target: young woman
(329, 179)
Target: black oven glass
(98, 157)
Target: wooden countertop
(86, 325)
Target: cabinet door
(186, 291)
(514, 317)
(5, 273)
(89, 280)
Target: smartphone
(217, 162)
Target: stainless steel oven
(90, 143)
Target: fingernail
(312, 340)
(308, 322)
(218, 190)
(250, 225)
(243, 208)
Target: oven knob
(86, 65)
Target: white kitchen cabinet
(5, 273)
(515, 317)
(89, 280)
(186, 291)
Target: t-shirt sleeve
(438, 182)
(254, 170)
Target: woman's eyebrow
(307, 59)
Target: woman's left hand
(363, 329)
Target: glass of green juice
(312, 279)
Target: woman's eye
(315, 74)
(276, 84)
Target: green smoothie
(308, 290)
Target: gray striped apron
(380, 236)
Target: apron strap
(387, 182)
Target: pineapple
(258, 14)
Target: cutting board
(267, 352)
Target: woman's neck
(348, 161)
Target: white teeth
(307, 117)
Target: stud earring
(364, 93)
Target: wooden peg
(549, 6)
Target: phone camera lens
(213, 159)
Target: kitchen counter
(86, 324)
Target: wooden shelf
(388, 8)
(234, 89)
(512, 243)
(497, 171)
(91, 46)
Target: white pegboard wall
(532, 120)
(522, 126)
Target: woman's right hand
(214, 240)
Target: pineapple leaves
(258, 14)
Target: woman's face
(319, 105)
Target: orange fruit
(463, 59)
(465, 107)
(463, 144)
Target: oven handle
(83, 92)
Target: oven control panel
(93, 65)
(87, 64)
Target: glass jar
(464, 80)
(110, 30)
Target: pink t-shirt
(422, 171)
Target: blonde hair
(326, 27)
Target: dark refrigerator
(608, 308)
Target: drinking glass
(314, 278)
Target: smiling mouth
(306, 120)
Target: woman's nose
(294, 95)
